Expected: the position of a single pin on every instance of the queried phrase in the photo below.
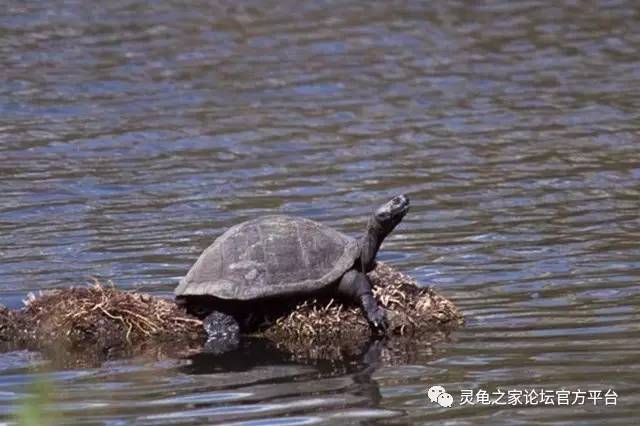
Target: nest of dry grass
(324, 328)
(99, 318)
(9, 326)
(105, 321)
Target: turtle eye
(383, 215)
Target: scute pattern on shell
(270, 256)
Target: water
(133, 133)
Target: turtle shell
(270, 256)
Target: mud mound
(106, 322)
(328, 328)
(101, 319)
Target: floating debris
(329, 329)
(99, 319)
(109, 322)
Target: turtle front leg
(223, 332)
(355, 286)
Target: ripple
(130, 140)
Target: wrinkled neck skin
(370, 243)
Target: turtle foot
(377, 320)
(223, 333)
(376, 315)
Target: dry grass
(9, 326)
(106, 321)
(329, 326)
(102, 319)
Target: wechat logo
(439, 395)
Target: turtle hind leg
(223, 332)
(356, 287)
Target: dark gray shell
(270, 256)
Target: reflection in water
(132, 134)
(263, 361)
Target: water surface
(133, 133)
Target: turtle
(275, 260)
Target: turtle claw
(376, 315)
(378, 320)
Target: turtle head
(380, 225)
(391, 213)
